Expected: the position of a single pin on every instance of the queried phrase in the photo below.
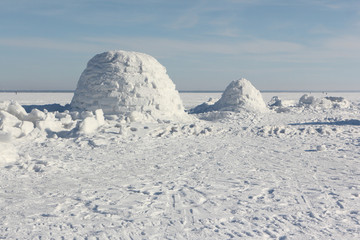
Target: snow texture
(7, 150)
(132, 85)
(239, 95)
(251, 175)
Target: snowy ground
(293, 175)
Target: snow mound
(7, 150)
(323, 103)
(308, 102)
(15, 122)
(132, 85)
(239, 95)
(280, 105)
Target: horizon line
(180, 91)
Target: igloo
(132, 85)
(239, 95)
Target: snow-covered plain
(292, 173)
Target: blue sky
(276, 44)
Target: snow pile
(93, 122)
(280, 105)
(239, 95)
(204, 107)
(7, 150)
(15, 122)
(278, 102)
(132, 85)
(312, 102)
(308, 102)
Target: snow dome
(239, 95)
(132, 85)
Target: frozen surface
(289, 175)
(130, 84)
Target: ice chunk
(7, 150)
(91, 123)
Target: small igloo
(241, 94)
(238, 96)
(132, 85)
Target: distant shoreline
(190, 91)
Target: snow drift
(239, 95)
(132, 85)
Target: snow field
(228, 184)
(257, 175)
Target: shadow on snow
(353, 122)
(48, 107)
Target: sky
(204, 44)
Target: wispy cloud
(211, 47)
(188, 19)
(347, 47)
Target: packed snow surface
(238, 96)
(132, 85)
(292, 174)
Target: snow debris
(17, 110)
(7, 153)
(238, 96)
(7, 150)
(15, 122)
(133, 85)
(312, 102)
(10, 124)
(321, 148)
(308, 102)
(275, 131)
(323, 103)
(280, 105)
(91, 123)
(35, 115)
